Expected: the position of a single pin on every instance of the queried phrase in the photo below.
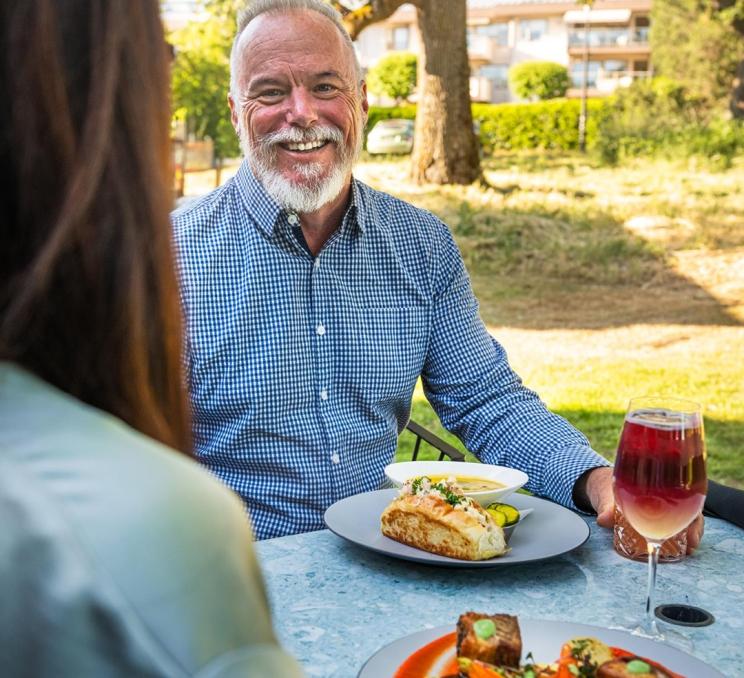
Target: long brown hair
(88, 291)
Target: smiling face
(298, 108)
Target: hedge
(550, 124)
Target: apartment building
(612, 36)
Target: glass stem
(654, 548)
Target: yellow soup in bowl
(470, 483)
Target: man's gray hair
(255, 8)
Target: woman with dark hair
(118, 555)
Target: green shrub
(658, 118)
(394, 75)
(539, 80)
(542, 125)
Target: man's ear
(365, 103)
(233, 110)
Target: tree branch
(375, 10)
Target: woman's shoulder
(103, 518)
(123, 495)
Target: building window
(577, 74)
(399, 38)
(642, 27)
(496, 73)
(531, 30)
(640, 67)
(498, 32)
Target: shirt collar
(261, 207)
(258, 204)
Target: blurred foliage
(201, 76)
(394, 76)
(539, 80)
(550, 124)
(697, 43)
(540, 125)
(661, 117)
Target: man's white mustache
(299, 135)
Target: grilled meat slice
(494, 639)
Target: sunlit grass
(604, 284)
(592, 390)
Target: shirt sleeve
(478, 397)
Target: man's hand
(598, 493)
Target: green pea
(638, 666)
(484, 628)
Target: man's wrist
(581, 494)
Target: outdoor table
(334, 604)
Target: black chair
(445, 449)
(725, 502)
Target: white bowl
(510, 478)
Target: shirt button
(323, 394)
(320, 329)
(335, 458)
(293, 219)
(317, 262)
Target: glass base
(657, 632)
(629, 544)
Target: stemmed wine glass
(659, 478)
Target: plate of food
(436, 524)
(486, 483)
(503, 646)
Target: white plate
(544, 640)
(512, 479)
(550, 531)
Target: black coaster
(684, 615)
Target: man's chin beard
(314, 192)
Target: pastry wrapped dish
(439, 518)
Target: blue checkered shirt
(302, 369)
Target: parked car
(395, 135)
(391, 136)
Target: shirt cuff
(565, 467)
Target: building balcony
(606, 82)
(485, 50)
(609, 37)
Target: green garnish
(416, 484)
(638, 666)
(450, 497)
(484, 628)
(572, 668)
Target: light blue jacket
(118, 556)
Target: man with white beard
(314, 303)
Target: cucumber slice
(499, 517)
(511, 513)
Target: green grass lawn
(604, 284)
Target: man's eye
(270, 93)
(325, 88)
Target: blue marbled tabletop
(335, 604)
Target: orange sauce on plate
(420, 663)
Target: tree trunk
(445, 148)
